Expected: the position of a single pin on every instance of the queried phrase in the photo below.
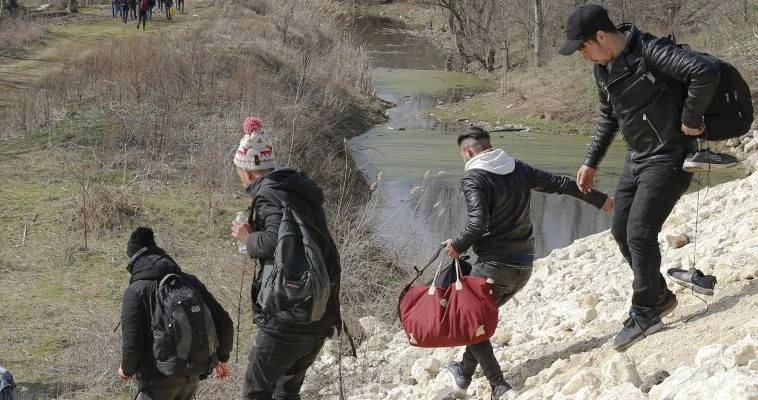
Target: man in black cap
(148, 265)
(657, 94)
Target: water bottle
(241, 219)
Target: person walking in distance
(143, 8)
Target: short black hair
(477, 133)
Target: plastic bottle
(240, 219)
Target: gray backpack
(296, 288)
(7, 385)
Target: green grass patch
(487, 108)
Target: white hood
(496, 161)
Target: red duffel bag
(461, 314)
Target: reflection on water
(422, 206)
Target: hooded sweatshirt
(497, 189)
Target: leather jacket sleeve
(546, 182)
(478, 206)
(699, 72)
(607, 126)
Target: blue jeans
(116, 8)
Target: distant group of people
(142, 10)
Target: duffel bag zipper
(649, 122)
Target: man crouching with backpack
(160, 302)
(296, 294)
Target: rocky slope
(553, 339)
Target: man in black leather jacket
(497, 189)
(641, 83)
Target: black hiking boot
(693, 278)
(637, 327)
(460, 381)
(705, 160)
(499, 390)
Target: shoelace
(633, 315)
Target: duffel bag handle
(458, 283)
(433, 288)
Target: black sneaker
(460, 381)
(693, 278)
(666, 307)
(499, 390)
(704, 160)
(637, 327)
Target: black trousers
(142, 19)
(180, 5)
(277, 365)
(645, 196)
(175, 390)
(509, 280)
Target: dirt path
(74, 37)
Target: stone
(739, 355)
(580, 380)
(685, 377)
(620, 369)
(626, 391)
(655, 378)
(709, 354)
(678, 241)
(588, 301)
(501, 338)
(424, 369)
(589, 315)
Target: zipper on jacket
(642, 78)
(649, 122)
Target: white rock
(580, 380)
(626, 391)
(684, 377)
(739, 355)
(620, 369)
(424, 369)
(709, 354)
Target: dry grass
(17, 33)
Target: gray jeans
(509, 280)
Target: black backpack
(296, 287)
(184, 336)
(730, 113)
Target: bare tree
(472, 23)
(539, 33)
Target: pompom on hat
(255, 151)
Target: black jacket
(652, 89)
(306, 197)
(136, 317)
(499, 224)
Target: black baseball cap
(583, 24)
